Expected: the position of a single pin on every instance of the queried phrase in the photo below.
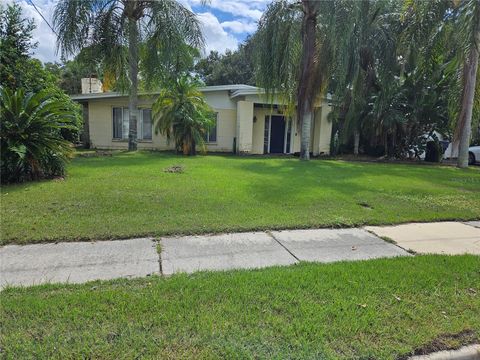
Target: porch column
(244, 127)
(322, 131)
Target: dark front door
(277, 134)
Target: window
(211, 135)
(117, 123)
(121, 119)
(146, 124)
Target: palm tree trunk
(306, 131)
(464, 123)
(193, 149)
(356, 142)
(133, 73)
(305, 88)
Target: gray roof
(236, 90)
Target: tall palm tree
(365, 51)
(181, 112)
(460, 22)
(118, 25)
(468, 25)
(292, 56)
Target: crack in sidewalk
(279, 243)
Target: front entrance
(277, 135)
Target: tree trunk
(306, 132)
(193, 149)
(305, 87)
(133, 73)
(464, 123)
(356, 142)
(86, 126)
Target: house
(246, 122)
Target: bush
(434, 151)
(32, 146)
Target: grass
(378, 309)
(129, 194)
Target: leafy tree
(15, 45)
(85, 64)
(19, 70)
(182, 114)
(365, 51)
(451, 26)
(118, 27)
(160, 69)
(234, 67)
(32, 146)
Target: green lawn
(130, 195)
(378, 309)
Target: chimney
(91, 86)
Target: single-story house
(246, 122)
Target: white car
(473, 155)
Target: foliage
(19, 71)
(15, 45)
(85, 64)
(446, 34)
(32, 143)
(159, 69)
(233, 67)
(277, 46)
(396, 70)
(181, 112)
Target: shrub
(434, 151)
(181, 112)
(32, 146)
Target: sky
(225, 23)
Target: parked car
(473, 155)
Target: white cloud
(239, 27)
(251, 9)
(216, 37)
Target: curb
(471, 352)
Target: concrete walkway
(78, 262)
(452, 238)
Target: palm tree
(459, 21)
(181, 112)
(292, 55)
(365, 51)
(115, 25)
(30, 133)
(468, 25)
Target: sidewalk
(78, 262)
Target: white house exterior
(246, 122)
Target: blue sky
(225, 23)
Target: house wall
(235, 120)
(101, 123)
